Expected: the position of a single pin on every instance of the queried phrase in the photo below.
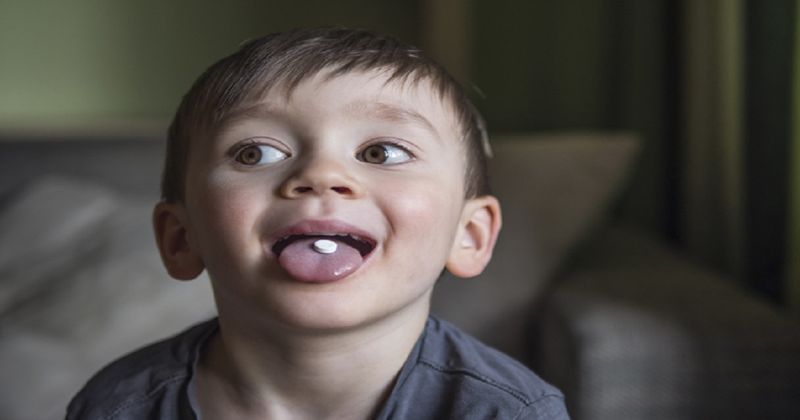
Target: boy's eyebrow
(392, 113)
(380, 110)
(253, 110)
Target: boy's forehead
(374, 94)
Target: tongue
(303, 263)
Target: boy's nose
(319, 178)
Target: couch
(625, 325)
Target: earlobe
(477, 234)
(169, 223)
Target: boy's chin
(341, 319)
(329, 315)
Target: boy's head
(327, 134)
(279, 62)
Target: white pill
(325, 246)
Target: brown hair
(288, 58)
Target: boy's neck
(278, 375)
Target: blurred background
(707, 84)
(709, 89)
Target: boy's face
(351, 155)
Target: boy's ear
(169, 222)
(476, 236)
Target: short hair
(285, 60)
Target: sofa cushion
(636, 330)
(554, 189)
(50, 225)
(94, 308)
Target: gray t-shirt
(448, 375)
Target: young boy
(324, 178)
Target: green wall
(93, 60)
(589, 64)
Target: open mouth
(363, 245)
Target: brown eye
(259, 154)
(385, 154)
(376, 153)
(249, 155)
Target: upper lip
(360, 239)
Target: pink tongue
(305, 264)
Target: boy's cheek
(431, 213)
(226, 208)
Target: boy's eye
(384, 154)
(259, 154)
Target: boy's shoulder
(453, 375)
(151, 378)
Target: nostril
(306, 189)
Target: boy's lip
(311, 227)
